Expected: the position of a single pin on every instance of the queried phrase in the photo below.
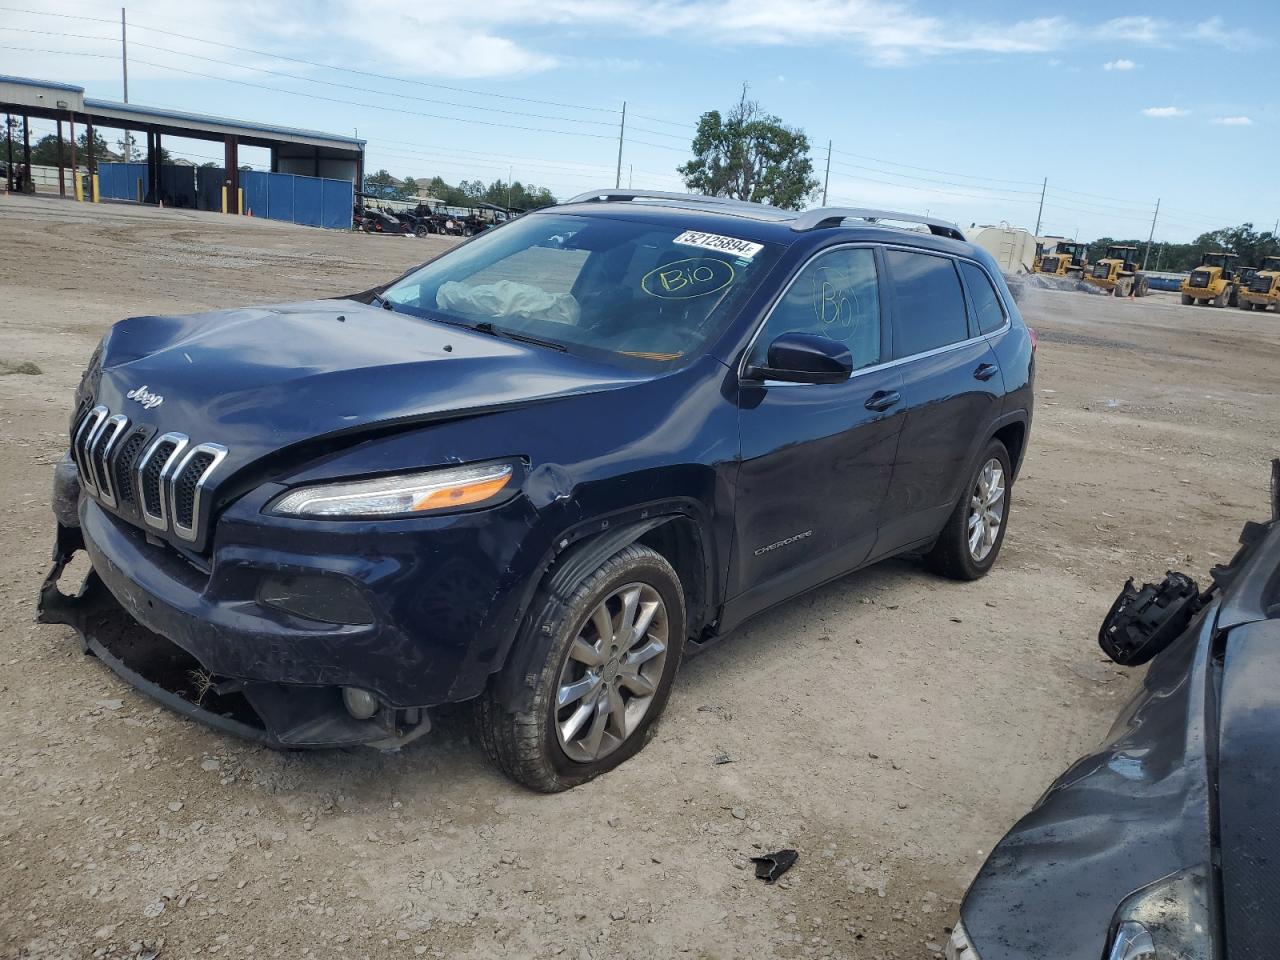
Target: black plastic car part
(1144, 621)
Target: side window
(930, 310)
(836, 295)
(986, 302)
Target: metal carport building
(308, 153)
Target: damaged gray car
(1164, 844)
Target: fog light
(361, 704)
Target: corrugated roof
(50, 84)
(179, 117)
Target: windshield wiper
(484, 326)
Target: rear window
(591, 284)
(986, 302)
(930, 311)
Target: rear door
(816, 458)
(951, 386)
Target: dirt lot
(890, 726)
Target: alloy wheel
(986, 509)
(612, 672)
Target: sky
(958, 110)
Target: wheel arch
(676, 532)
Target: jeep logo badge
(145, 397)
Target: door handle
(985, 371)
(882, 399)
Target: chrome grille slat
(81, 442)
(194, 469)
(162, 477)
(173, 444)
(100, 451)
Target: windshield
(1120, 253)
(1271, 264)
(590, 284)
(1214, 260)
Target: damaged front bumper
(280, 715)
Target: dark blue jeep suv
(535, 471)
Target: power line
(327, 83)
(324, 66)
(316, 96)
(945, 173)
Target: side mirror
(805, 358)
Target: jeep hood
(260, 379)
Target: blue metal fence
(311, 201)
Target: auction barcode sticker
(712, 241)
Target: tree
(410, 187)
(380, 184)
(750, 155)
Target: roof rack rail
(833, 216)
(619, 196)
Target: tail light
(1035, 338)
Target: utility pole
(622, 130)
(509, 174)
(124, 55)
(631, 174)
(1040, 214)
(826, 179)
(1150, 235)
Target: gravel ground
(890, 726)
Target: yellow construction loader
(1262, 290)
(1214, 281)
(1068, 259)
(1118, 272)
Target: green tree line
(467, 193)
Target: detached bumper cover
(274, 714)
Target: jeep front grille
(160, 479)
(1199, 278)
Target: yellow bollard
(79, 188)
(224, 198)
(93, 186)
(240, 201)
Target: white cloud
(1164, 112)
(1233, 121)
(1121, 64)
(1213, 31)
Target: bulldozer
(1214, 281)
(1068, 259)
(1118, 272)
(1262, 290)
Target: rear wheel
(420, 230)
(970, 542)
(1221, 299)
(1186, 299)
(615, 648)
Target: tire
(1221, 299)
(529, 745)
(420, 230)
(951, 555)
(1186, 300)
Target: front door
(816, 458)
(952, 390)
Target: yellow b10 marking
(688, 278)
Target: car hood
(261, 379)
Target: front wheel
(614, 650)
(1186, 300)
(970, 542)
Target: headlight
(403, 495)
(1167, 920)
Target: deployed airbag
(507, 298)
